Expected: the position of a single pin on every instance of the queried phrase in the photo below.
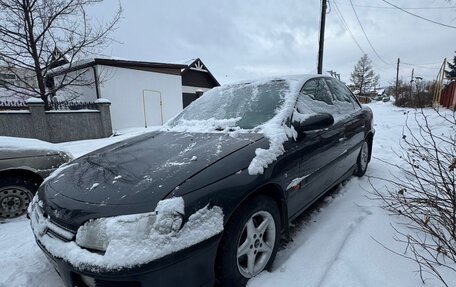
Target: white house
(141, 93)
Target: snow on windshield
(243, 105)
(260, 106)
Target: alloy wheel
(256, 244)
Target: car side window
(342, 95)
(318, 90)
(315, 97)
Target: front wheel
(363, 160)
(249, 243)
(15, 195)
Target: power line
(346, 27)
(408, 8)
(418, 16)
(367, 38)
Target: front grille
(104, 283)
(53, 229)
(86, 281)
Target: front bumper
(193, 266)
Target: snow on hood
(126, 248)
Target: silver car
(22, 169)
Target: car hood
(144, 169)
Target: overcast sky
(239, 39)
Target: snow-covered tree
(363, 76)
(451, 73)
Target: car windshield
(247, 105)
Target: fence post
(38, 118)
(103, 105)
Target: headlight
(167, 219)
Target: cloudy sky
(239, 39)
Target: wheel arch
(25, 173)
(275, 192)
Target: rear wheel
(15, 195)
(249, 243)
(363, 160)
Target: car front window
(250, 104)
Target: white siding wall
(84, 93)
(125, 88)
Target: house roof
(198, 65)
(139, 65)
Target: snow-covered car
(207, 198)
(24, 163)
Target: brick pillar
(38, 119)
(103, 105)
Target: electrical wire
(407, 8)
(346, 27)
(418, 16)
(367, 38)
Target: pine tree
(451, 73)
(363, 76)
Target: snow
(102, 101)
(15, 144)
(94, 186)
(131, 238)
(34, 101)
(339, 242)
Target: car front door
(353, 120)
(316, 150)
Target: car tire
(363, 159)
(15, 195)
(249, 243)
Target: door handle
(342, 139)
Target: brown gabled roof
(191, 65)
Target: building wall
(194, 81)
(135, 95)
(84, 92)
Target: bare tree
(423, 190)
(35, 35)
(363, 76)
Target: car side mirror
(314, 122)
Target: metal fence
(54, 106)
(58, 106)
(13, 106)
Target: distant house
(448, 97)
(196, 79)
(141, 93)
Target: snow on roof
(17, 144)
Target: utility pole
(397, 78)
(322, 37)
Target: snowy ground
(337, 243)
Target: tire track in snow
(364, 213)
